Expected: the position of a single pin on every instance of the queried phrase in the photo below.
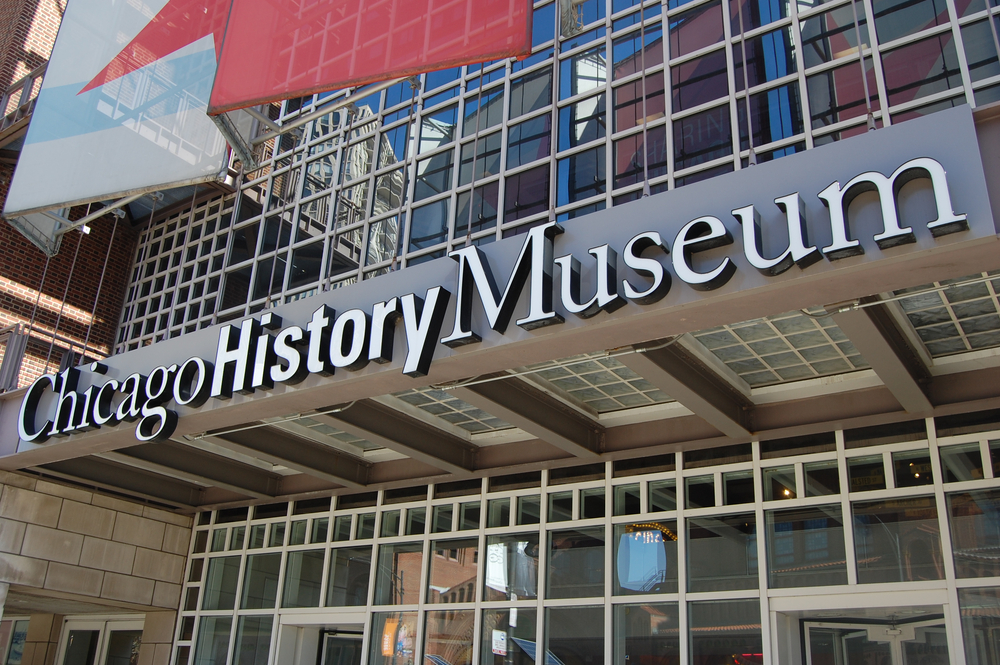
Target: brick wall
(90, 546)
(29, 31)
(21, 268)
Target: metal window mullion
(876, 60)
(682, 568)
(763, 567)
(845, 507)
(609, 631)
(543, 549)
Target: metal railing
(18, 100)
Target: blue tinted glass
(622, 5)
(581, 176)
(771, 56)
(543, 24)
(583, 38)
(633, 18)
(755, 13)
(450, 93)
(541, 56)
(392, 145)
(774, 114)
(702, 137)
(430, 225)
(582, 122)
(580, 212)
(398, 94)
(529, 140)
(437, 79)
(582, 72)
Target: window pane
(498, 512)
(662, 495)
(484, 210)
(508, 637)
(449, 636)
(350, 574)
(430, 225)
(487, 158)
(560, 507)
(253, 640)
(702, 137)
(574, 635)
(805, 547)
(213, 641)
(582, 72)
(720, 629)
(700, 492)
(897, 541)
(352, 205)
(576, 563)
(980, 622)
(770, 55)
(260, 581)
(924, 68)
(898, 18)
(438, 128)
(527, 193)
(980, 50)
(511, 567)
(838, 94)
(779, 483)
(442, 519)
(627, 500)
(582, 122)
(397, 580)
(961, 463)
(913, 468)
(581, 176)
(866, 473)
(530, 93)
(775, 114)
(529, 140)
(832, 35)
(722, 553)
(453, 571)
(628, 108)
(755, 13)
(696, 29)
(822, 478)
(647, 633)
(220, 583)
(629, 54)
(737, 487)
(645, 558)
(699, 81)
(434, 175)
(394, 638)
(975, 533)
(303, 579)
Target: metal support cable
(645, 113)
(344, 150)
(864, 72)
(100, 283)
(752, 160)
(400, 231)
(62, 305)
(475, 154)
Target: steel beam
(694, 385)
(538, 414)
(391, 429)
(126, 479)
(201, 467)
(875, 335)
(280, 447)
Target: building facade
(534, 362)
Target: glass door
(340, 650)
(100, 642)
(917, 643)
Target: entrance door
(339, 650)
(916, 643)
(100, 642)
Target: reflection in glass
(629, 54)
(350, 573)
(592, 503)
(484, 210)
(975, 533)
(416, 521)
(491, 116)
(699, 491)
(913, 468)
(645, 558)
(393, 638)
(832, 35)
(774, 115)
(434, 175)
(397, 578)
(576, 563)
(582, 72)
(582, 122)
(627, 500)
(574, 635)
(213, 640)
(448, 637)
(895, 19)
(805, 547)
(980, 51)
(253, 640)
(260, 581)
(921, 69)
(303, 579)
(838, 94)
(980, 610)
(498, 512)
(220, 583)
(530, 93)
(560, 507)
(662, 495)
(581, 176)
(454, 564)
(722, 553)
(825, 644)
(430, 225)
(487, 158)
(702, 137)
(647, 633)
(695, 29)
(866, 473)
(529, 141)
(822, 478)
(699, 81)
(897, 541)
(629, 167)
(527, 193)
(508, 637)
(719, 629)
(779, 483)
(737, 487)
(962, 463)
(442, 519)
(628, 108)
(511, 567)
(438, 129)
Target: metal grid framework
(348, 196)
(599, 382)
(774, 481)
(447, 407)
(782, 348)
(962, 318)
